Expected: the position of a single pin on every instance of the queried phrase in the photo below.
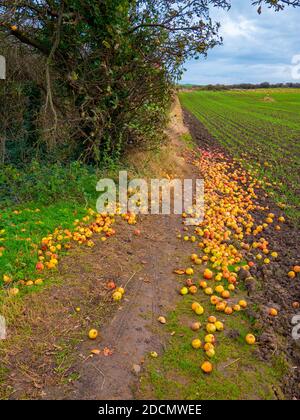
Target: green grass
(64, 360)
(34, 201)
(24, 230)
(188, 141)
(262, 128)
(237, 374)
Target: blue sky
(256, 48)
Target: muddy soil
(276, 289)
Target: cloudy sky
(256, 48)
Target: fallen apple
(189, 282)
(220, 306)
(273, 312)
(184, 291)
(209, 338)
(212, 319)
(243, 304)
(120, 290)
(199, 310)
(208, 274)
(207, 367)
(193, 290)
(225, 294)
(195, 305)
(214, 300)
(211, 328)
(93, 334)
(38, 282)
(39, 266)
(203, 284)
(228, 310)
(208, 291)
(219, 326)
(219, 288)
(13, 291)
(196, 343)
(208, 346)
(250, 339)
(210, 353)
(117, 296)
(195, 326)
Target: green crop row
(262, 128)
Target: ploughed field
(260, 127)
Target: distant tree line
(245, 86)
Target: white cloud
(238, 28)
(256, 48)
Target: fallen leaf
(161, 319)
(107, 351)
(179, 271)
(136, 369)
(96, 351)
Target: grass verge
(238, 373)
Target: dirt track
(143, 263)
(132, 332)
(150, 293)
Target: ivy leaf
(106, 44)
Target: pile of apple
(227, 240)
(117, 292)
(61, 240)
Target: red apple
(39, 266)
